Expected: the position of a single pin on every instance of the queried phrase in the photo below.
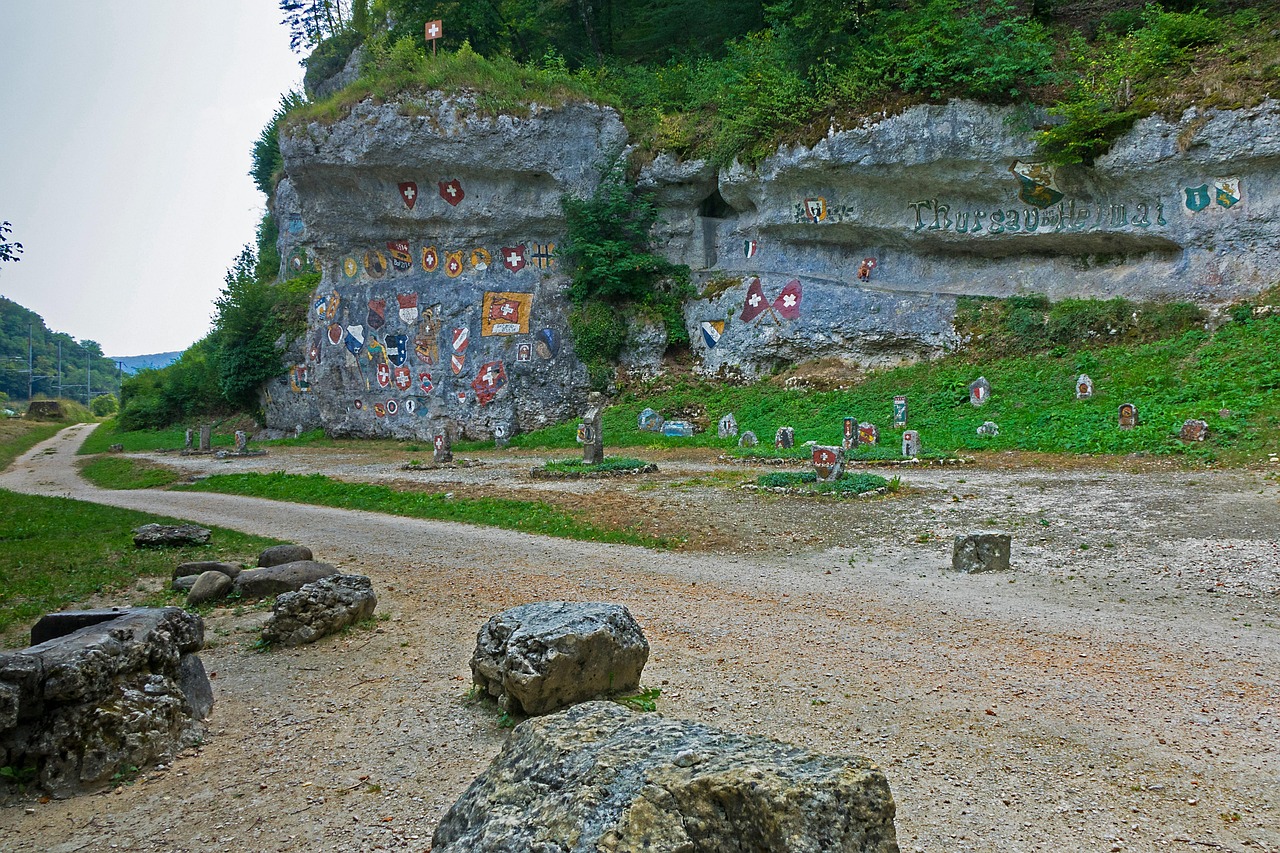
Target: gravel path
(1118, 690)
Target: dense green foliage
(267, 164)
(529, 516)
(733, 78)
(613, 271)
(56, 551)
(80, 362)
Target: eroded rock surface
(319, 609)
(600, 778)
(120, 694)
(539, 658)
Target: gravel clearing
(1117, 690)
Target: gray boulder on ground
(209, 586)
(600, 778)
(184, 584)
(319, 609)
(199, 567)
(287, 577)
(981, 552)
(116, 695)
(539, 658)
(169, 535)
(64, 622)
(278, 555)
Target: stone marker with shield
(899, 411)
(443, 442)
(1084, 387)
(989, 429)
(1193, 430)
(828, 462)
(649, 421)
(728, 426)
(748, 439)
(850, 433)
(1128, 416)
(979, 391)
(868, 434)
(784, 438)
(910, 444)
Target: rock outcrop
(539, 658)
(434, 226)
(598, 777)
(103, 700)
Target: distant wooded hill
(58, 366)
(133, 363)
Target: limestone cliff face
(854, 248)
(435, 229)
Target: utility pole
(31, 373)
(59, 370)
(88, 376)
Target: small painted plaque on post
(784, 438)
(827, 462)
(868, 433)
(728, 426)
(979, 391)
(1084, 387)
(910, 444)
(1128, 416)
(899, 411)
(1194, 430)
(850, 433)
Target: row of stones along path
(1119, 689)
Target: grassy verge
(116, 472)
(18, 436)
(56, 551)
(526, 516)
(109, 433)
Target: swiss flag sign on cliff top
(434, 29)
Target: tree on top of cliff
(312, 21)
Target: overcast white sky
(125, 135)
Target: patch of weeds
(261, 645)
(18, 777)
(506, 721)
(126, 775)
(848, 483)
(645, 700)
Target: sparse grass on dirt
(609, 463)
(56, 551)
(527, 516)
(18, 436)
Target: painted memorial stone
(1193, 430)
(1084, 387)
(850, 433)
(392, 407)
(677, 429)
(443, 451)
(583, 434)
(1128, 416)
(649, 421)
(784, 438)
(242, 441)
(728, 426)
(910, 444)
(547, 344)
(748, 439)
(868, 433)
(989, 428)
(979, 391)
(899, 411)
(827, 462)
(592, 429)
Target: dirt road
(1119, 689)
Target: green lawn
(119, 472)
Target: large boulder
(600, 778)
(539, 658)
(278, 555)
(119, 694)
(169, 535)
(319, 609)
(286, 577)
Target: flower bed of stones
(544, 474)
(849, 463)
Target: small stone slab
(319, 609)
(784, 438)
(1084, 387)
(828, 462)
(599, 777)
(53, 625)
(748, 439)
(899, 411)
(910, 443)
(539, 658)
(868, 434)
(199, 567)
(209, 586)
(979, 391)
(1193, 430)
(1128, 416)
(981, 552)
(288, 577)
(169, 535)
(278, 555)
(989, 428)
